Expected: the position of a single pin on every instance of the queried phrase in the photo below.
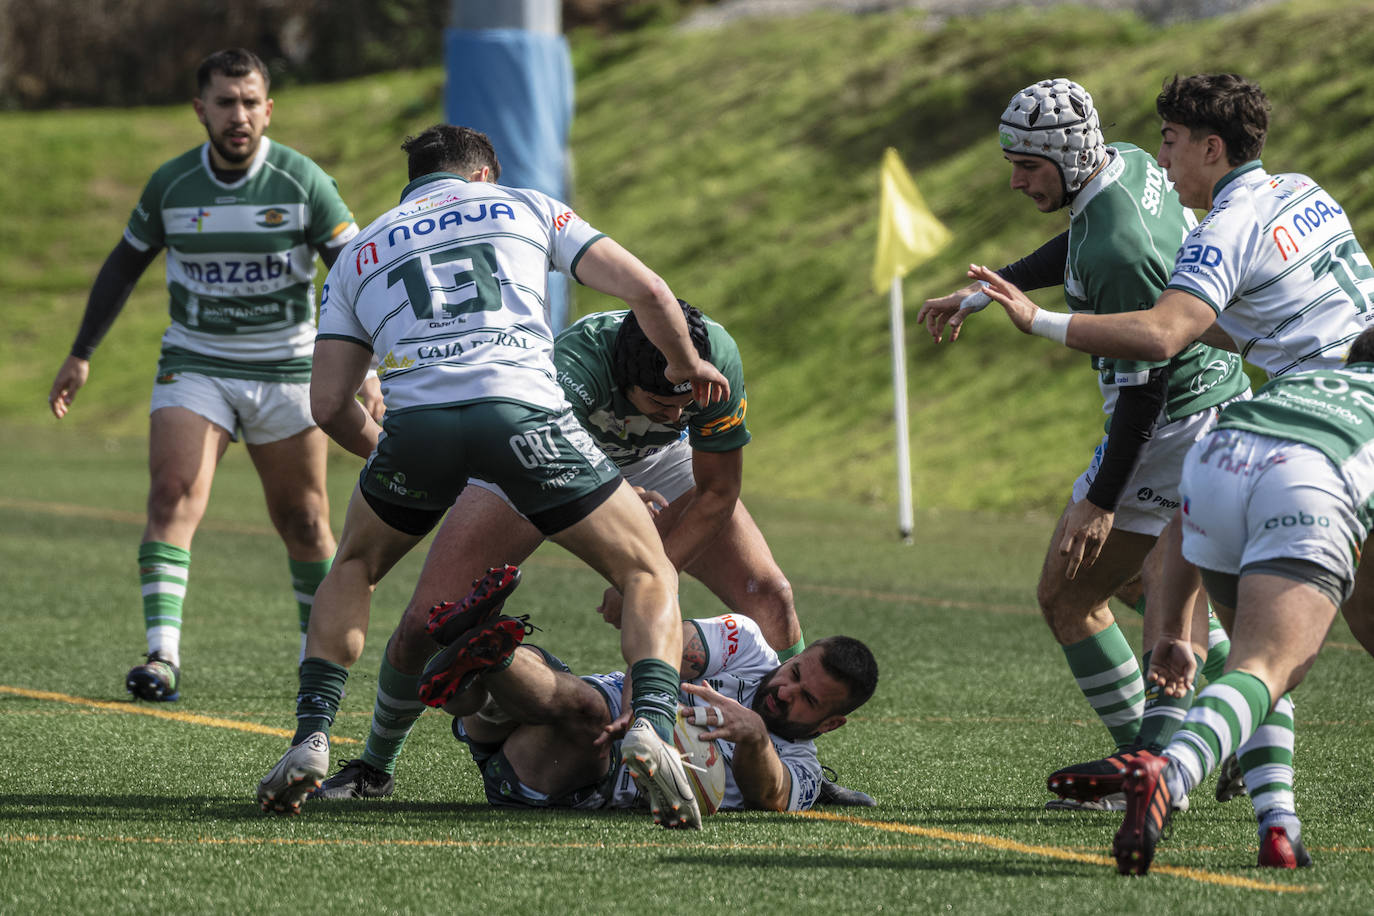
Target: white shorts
(1249, 498)
(668, 472)
(1150, 496)
(264, 411)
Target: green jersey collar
(428, 179)
(1234, 174)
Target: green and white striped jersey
(448, 290)
(1277, 260)
(1124, 230)
(241, 260)
(582, 356)
(1331, 410)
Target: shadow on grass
(901, 859)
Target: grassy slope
(742, 165)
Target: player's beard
(229, 155)
(778, 724)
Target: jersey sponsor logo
(428, 224)
(1193, 259)
(723, 425)
(564, 219)
(1313, 216)
(1211, 215)
(367, 254)
(226, 200)
(230, 272)
(1152, 196)
(1289, 185)
(1284, 240)
(1212, 374)
(167, 378)
(390, 363)
(731, 638)
(572, 386)
(272, 218)
(198, 218)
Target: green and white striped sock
(162, 573)
(1109, 676)
(1224, 716)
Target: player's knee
(768, 598)
(172, 497)
(305, 525)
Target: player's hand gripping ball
(702, 759)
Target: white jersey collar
(1106, 176)
(256, 166)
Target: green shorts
(551, 469)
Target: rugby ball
(703, 763)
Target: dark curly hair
(635, 361)
(1225, 104)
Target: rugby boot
(656, 767)
(1230, 779)
(454, 667)
(1279, 850)
(1149, 807)
(156, 679)
(451, 619)
(356, 779)
(296, 775)
(832, 793)
(1092, 780)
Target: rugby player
(447, 289)
(241, 218)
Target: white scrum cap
(1055, 119)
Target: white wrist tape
(1051, 325)
(975, 302)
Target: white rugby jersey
(448, 290)
(1277, 260)
(739, 658)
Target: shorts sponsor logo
(559, 481)
(1298, 520)
(1147, 495)
(395, 482)
(534, 447)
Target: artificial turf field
(111, 806)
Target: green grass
(742, 164)
(103, 811)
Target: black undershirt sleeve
(1133, 424)
(113, 284)
(1042, 267)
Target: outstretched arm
(1041, 268)
(609, 268)
(116, 280)
(1154, 334)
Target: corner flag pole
(908, 235)
(905, 519)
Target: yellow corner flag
(908, 233)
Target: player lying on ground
(688, 458)
(543, 737)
